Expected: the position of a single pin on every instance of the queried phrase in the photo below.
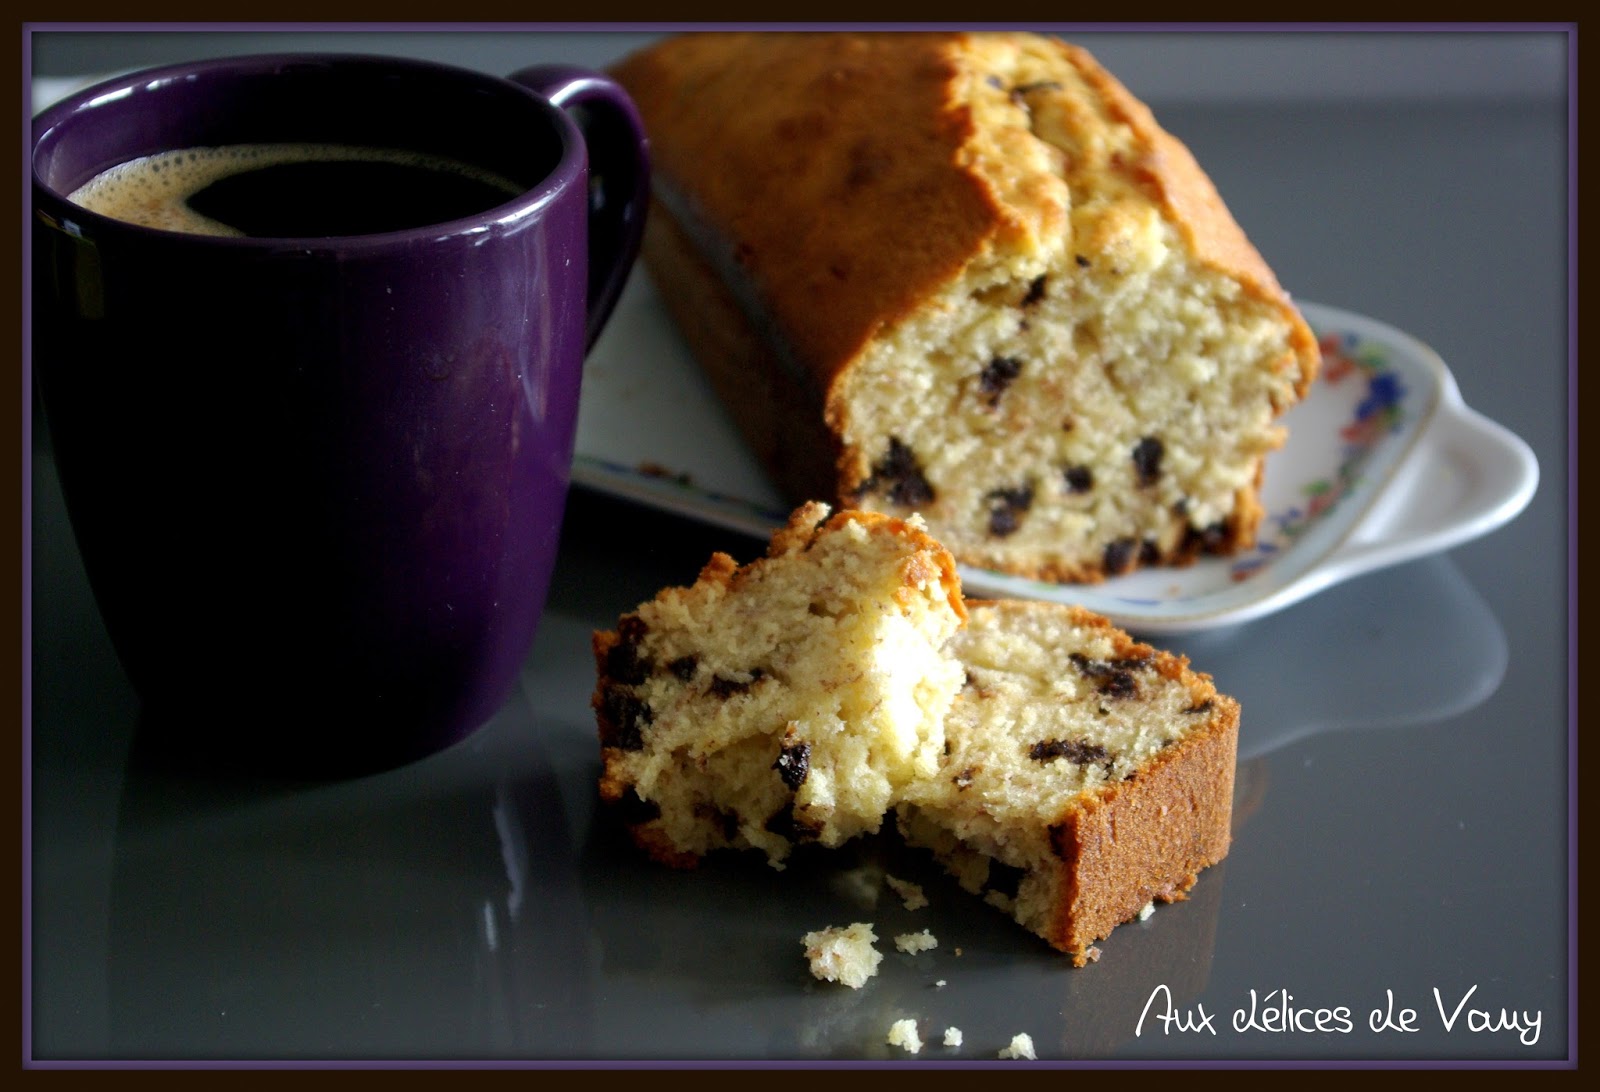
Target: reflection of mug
(317, 482)
(316, 924)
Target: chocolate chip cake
(787, 701)
(1083, 774)
(968, 275)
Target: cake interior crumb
(1021, 1047)
(844, 954)
(916, 942)
(903, 1034)
(952, 1037)
(911, 894)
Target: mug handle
(619, 174)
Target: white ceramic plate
(1385, 463)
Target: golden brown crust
(1186, 192)
(774, 138)
(777, 410)
(833, 169)
(1147, 838)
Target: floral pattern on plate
(1380, 413)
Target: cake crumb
(1092, 955)
(1149, 908)
(1021, 1047)
(939, 984)
(916, 942)
(903, 1034)
(952, 1037)
(843, 954)
(910, 893)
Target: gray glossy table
(1403, 801)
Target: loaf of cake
(967, 275)
(1084, 775)
(787, 701)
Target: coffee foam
(153, 191)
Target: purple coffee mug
(318, 482)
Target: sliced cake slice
(790, 700)
(1084, 774)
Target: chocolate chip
(900, 476)
(625, 665)
(1004, 879)
(623, 661)
(781, 823)
(1119, 556)
(724, 687)
(1149, 552)
(1115, 677)
(1119, 684)
(1100, 668)
(964, 779)
(684, 666)
(623, 719)
(1035, 290)
(793, 764)
(1147, 455)
(1200, 707)
(1210, 539)
(1006, 507)
(1080, 751)
(1080, 479)
(1083, 263)
(997, 375)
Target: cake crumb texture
(845, 954)
(910, 894)
(903, 1034)
(783, 702)
(912, 943)
(1021, 1047)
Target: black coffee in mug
(292, 190)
